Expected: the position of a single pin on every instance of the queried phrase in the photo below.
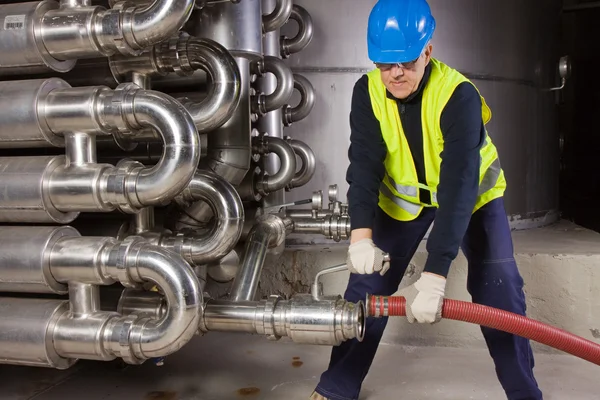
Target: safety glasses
(404, 65)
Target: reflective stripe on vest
(399, 191)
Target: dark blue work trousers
(493, 280)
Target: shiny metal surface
(287, 161)
(308, 166)
(225, 269)
(24, 265)
(306, 104)
(264, 103)
(228, 211)
(21, 48)
(229, 149)
(84, 32)
(26, 332)
(238, 27)
(141, 302)
(523, 124)
(94, 260)
(24, 184)
(278, 17)
(20, 122)
(268, 232)
(305, 33)
(325, 322)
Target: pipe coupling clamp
(120, 186)
(269, 318)
(120, 339)
(123, 258)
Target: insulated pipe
(307, 101)
(304, 35)
(184, 54)
(383, 306)
(309, 163)
(278, 17)
(227, 207)
(268, 232)
(262, 103)
(287, 158)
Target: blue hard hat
(399, 30)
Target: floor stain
(297, 364)
(248, 391)
(161, 395)
(295, 358)
(595, 333)
(250, 352)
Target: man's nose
(397, 71)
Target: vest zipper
(402, 108)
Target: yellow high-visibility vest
(399, 191)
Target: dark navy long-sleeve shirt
(464, 134)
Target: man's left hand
(424, 298)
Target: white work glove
(424, 299)
(366, 258)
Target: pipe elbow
(285, 86)
(287, 158)
(158, 22)
(181, 154)
(304, 35)
(224, 96)
(278, 17)
(309, 164)
(228, 211)
(156, 338)
(307, 101)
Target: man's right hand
(366, 258)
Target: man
(419, 149)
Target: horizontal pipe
(268, 232)
(326, 322)
(278, 17)
(309, 163)
(305, 33)
(283, 91)
(306, 104)
(95, 260)
(83, 32)
(85, 186)
(228, 211)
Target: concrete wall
(560, 266)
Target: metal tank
(507, 48)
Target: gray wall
(508, 49)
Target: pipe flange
(120, 339)
(259, 105)
(269, 318)
(120, 19)
(123, 258)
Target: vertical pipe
(84, 299)
(271, 123)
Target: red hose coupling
(385, 306)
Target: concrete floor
(236, 367)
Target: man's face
(401, 80)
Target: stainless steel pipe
(305, 33)
(309, 163)
(306, 104)
(228, 211)
(264, 103)
(26, 332)
(287, 158)
(278, 17)
(46, 37)
(184, 54)
(86, 186)
(268, 232)
(327, 322)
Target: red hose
(382, 306)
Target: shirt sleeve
(366, 154)
(464, 134)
